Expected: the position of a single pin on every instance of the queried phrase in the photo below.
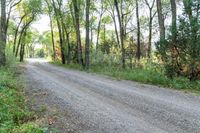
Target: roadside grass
(146, 76)
(14, 114)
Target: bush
(102, 59)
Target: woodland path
(100, 104)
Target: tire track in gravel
(109, 105)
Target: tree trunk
(98, 31)
(52, 37)
(116, 32)
(87, 40)
(138, 32)
(161, 20)
(104, 33)
(112, 14)
(150, 36)
(174, 27)
(7, 20)
(16, 33)
(78, 36)
(52, 32)
(61, 42)
(69, 49)
(131, 52)
(174, 50)
(3, 33)
(22, 47)
(19, 42)
(120, 19)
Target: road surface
(106, 105)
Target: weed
(13, 112)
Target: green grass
(147, 76)
(14, 115)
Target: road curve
(112, 106)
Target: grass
(146, 76)
(14, 115)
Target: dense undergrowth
(148, 75)
(14, 114)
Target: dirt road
(104, 105)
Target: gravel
(104, 105)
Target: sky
(42, 24)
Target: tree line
(126, 30)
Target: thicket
(182, 57)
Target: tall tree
(111, 10)
(3, 33)
(57, 11)
(138, 31)
(87, 40)
(151, 16)
(77, 27)
(121, 25)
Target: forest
(148, 41)
(122, 33)
(163, 34)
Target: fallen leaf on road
(50, 121)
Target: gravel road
(111, 106)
